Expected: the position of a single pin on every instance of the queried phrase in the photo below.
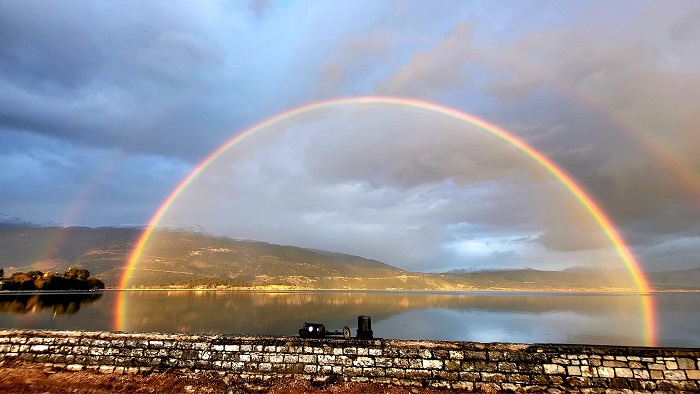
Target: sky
(105, 107)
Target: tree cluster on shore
(72, 279)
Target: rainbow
(595, 211)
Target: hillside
(180, 258)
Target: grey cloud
(357, 58)
(432, 71)
(686, 27)
(627, 76)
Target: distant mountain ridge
(191, 258)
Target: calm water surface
(484, 317)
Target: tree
(20, 281)
(2, 273)
(77, 273)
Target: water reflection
(485, 317)
(573, 318)
(60, 304)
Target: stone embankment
(456, 366)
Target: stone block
(686, 363)
(573, 370)
(440, 385)
(530, 368)
(635, 365)
(587, 371)
(392, 352)
(352, 371)
(619, 383)
(343, 360)
(374, 372)
(656, 366)
(279, 358)
(375, 352)
(614, 364)
(39, 348)
(507, 367)
(363, 362)
(671, 365)
(304, 358)
(417, 374)
(474, 355)
(26, 357)
(453, 365)
(485, 366)
(606, 372)
(463, 386)
(455, 355)
(493, 377)
(432, 364)
(677, 374)
(495, 356)
(488, 387)
(554, 369)
(518, 378)
(469, 376)
(97, 351)
(446, 375)
(641, 374)
(656, 374)
(693, 374)
(689, 386)
(623, 373)
(395, 373)
(578, 381)
(667, 386)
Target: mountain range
(191, 258)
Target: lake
(601, 319)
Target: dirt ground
(19, 377)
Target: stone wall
(452, 365)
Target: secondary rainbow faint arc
(584, 199)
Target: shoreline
(266, 289)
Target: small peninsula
(72, 279)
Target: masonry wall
(453, 365)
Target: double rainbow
(595, 211)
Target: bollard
(364, 327)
